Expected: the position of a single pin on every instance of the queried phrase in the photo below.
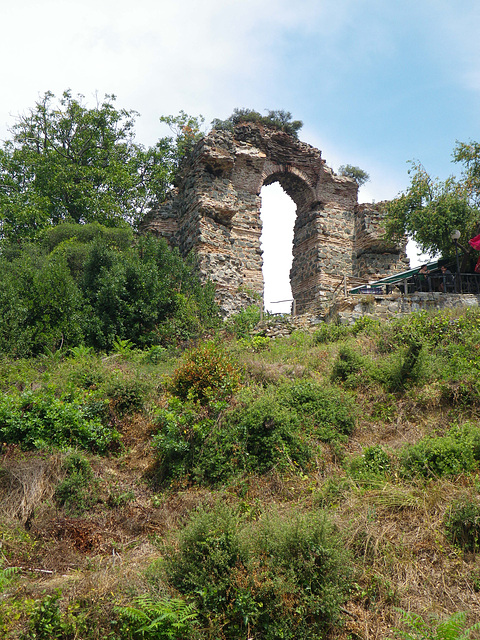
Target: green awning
(398, 277)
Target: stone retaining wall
(385, 307)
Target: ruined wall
(215, 212)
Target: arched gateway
(215, 211)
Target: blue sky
(376, 82)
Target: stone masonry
(215, 212)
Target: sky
(376, 82)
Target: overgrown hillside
(313, 486)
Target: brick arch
(215, 213)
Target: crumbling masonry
(215, 212)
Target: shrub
(374, 463)
(242, 324)
(278, 428)
(184, 428)
(326, 412)
(268, 434)
(206, 373)
(38, 420)
(79, 490)
(329, 332)
(281, 577)
(296, 565)
(348, 365)
(462, 524)
(208, 551)
(456, 452)
(126, 394)
(47, 621)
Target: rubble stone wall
(215, 212)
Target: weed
(374, 463)
(241, 324)
(462, 524)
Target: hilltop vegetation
(303, 487)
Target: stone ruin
(215, 212)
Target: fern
(6, 576)
(451, 628)
(164, 619)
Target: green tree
(96, 285)
(68, 162)
(430, 209)
(359, 175)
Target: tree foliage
(431, 209)
(88, 284)
(68, 162)
(276, 119)
(359, 175)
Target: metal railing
(439, 283)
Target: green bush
(242, 324)
(373, 464)
(185, 434)
(39, 420)
(405, 368)
(462, 524)
(277, 428)
(93, 289)
(456, 452)
(79, 489)
(327, 413)
(348, 366)
(329, 332)
(47, 621)
(281, 577)
(207, 373)
(265, 433)
(126, 394)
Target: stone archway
(215, 212)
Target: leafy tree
(430, 209)
(68, 162)
(187, 132)
(88, 284)
(276, 119)
(359, 175)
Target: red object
(477, 266)
(475, 242)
